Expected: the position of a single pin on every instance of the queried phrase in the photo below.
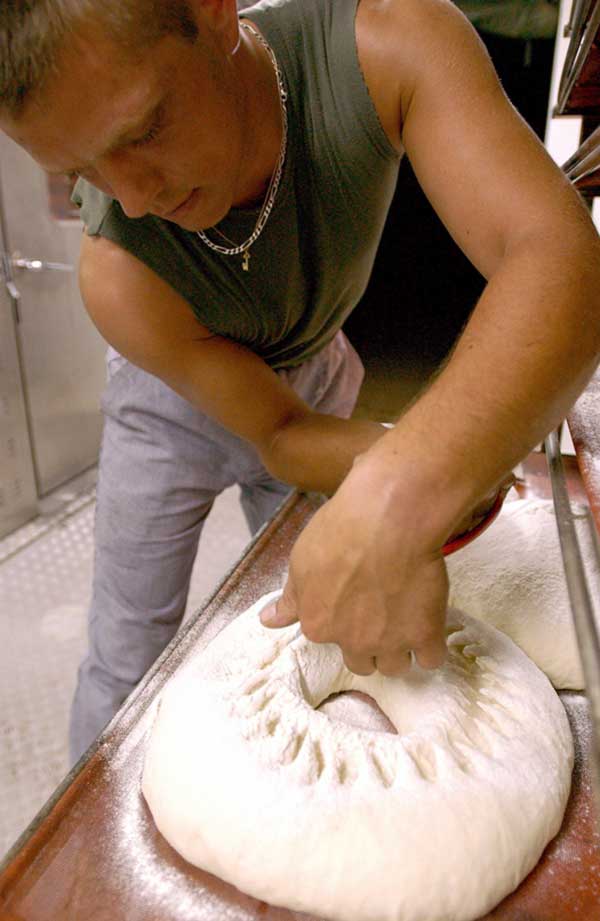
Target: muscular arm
(534, 337)
(367, 573)
(152, 326)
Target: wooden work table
(94, 853)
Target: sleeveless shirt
(311, 264)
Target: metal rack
(584, 619)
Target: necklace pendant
(246, 260)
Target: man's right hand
(365, 575)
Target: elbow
(281, 451)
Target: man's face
(164, 133)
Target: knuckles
(316, 633)
(385, 638)
(357, 668)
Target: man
(236, 186)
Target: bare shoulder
(134, 309)
(403, 44)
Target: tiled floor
(45, 582)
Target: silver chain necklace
(269, 201)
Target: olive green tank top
(311, 264)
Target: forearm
(528, 350)
(315, 452)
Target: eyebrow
(125, 136)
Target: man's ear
(220, 17)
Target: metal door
(61, 354)
(18, 494)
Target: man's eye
(148, 137)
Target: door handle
(38, 265)
(9, 263)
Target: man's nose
(136, 185)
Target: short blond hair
(32, 33)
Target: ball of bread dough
(512, 577)
(246, 779)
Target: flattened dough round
(245, 778)
(512, 577)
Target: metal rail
(586, 627)
(585, 27)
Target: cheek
(213, 123)
(202, 151)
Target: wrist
(419, 496)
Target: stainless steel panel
(17, 484)
(62, 354)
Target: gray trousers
(162, 464)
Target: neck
(263, 118)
